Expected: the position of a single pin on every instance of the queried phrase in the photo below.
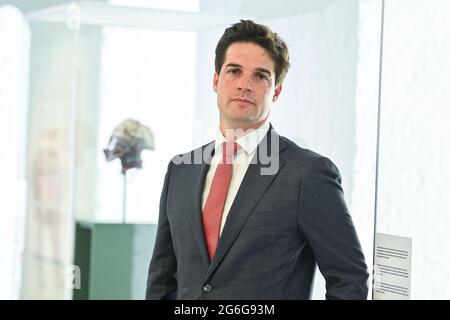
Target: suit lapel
(198, 174)
(252, 188)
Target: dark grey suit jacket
(278, 228)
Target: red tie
(212, 213)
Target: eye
(234, 71)
(261, 76)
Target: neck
(234, 131)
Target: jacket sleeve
(162, 282)
(329, 230)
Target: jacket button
(207, 288)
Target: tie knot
(229, 149)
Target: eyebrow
(263, 70)
(235, 65)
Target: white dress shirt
(247, 148)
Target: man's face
(245, 86)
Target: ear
(277, 92)
(215, 82)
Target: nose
(245, 83)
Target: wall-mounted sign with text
(392, 267)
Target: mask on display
(128, 140)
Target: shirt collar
(248, 142)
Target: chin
(242, 118)
(245, 122)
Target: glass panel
(86, 80)
(50, 161)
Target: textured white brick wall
(415, 139)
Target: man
(253, 214)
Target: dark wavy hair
(251, 32)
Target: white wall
(415, 139)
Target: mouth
(242, 101)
